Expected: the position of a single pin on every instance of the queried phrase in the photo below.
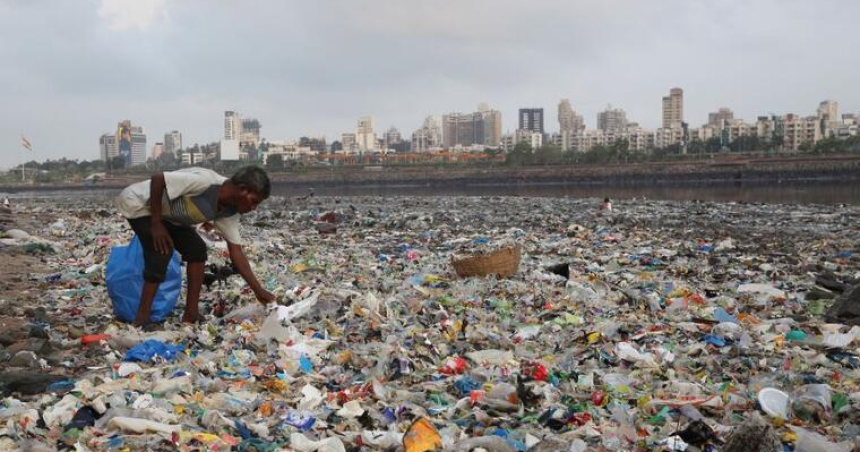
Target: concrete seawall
(663, 173)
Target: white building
(193, 158)
(172, 142)
(612, 119)
(138, 146)
(429, 137)
(365, 137)
(232, 125)
(569, 120)
(107, 147)
(797, 131)
(720, 117)
(157, 150)
(288, 150)
(532, 138)
(673, 109)
(665, 137)
(349, 144)
(391, 137)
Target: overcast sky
(73, 68)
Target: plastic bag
(124, 280)
(147, 350)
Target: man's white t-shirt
(190, 197)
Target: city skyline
(146, 63)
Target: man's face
(247, 200)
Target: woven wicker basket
(503, 263)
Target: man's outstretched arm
(241, 263)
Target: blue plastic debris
(149, 349)
(61, 387)
(305, 364)
(301, 421)
(720, 315)
(466, 385)
(716, 341)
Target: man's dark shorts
(186, 242)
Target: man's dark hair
(254, 179)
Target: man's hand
(264, 296)
(161, 238)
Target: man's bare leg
(145, 308)
(194, 273)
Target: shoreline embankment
(716, 171)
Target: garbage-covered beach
(676, 326)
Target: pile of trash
(675, 326)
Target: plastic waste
(421, 437)
(774, 402)
(124, 280)
(151, 349)
(813, 401)
(809, 441)
(133, 425)
(301, 443)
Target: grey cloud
(314, 67)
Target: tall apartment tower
(720, 117)
(612, 120)
(673, 108)
(492, 127)
(138, 146)
(463, 129)
(568, 120)
(531, 119)
(250, 131)
(157, 150)
(828, 110)
(365, 137)
(172, 142)
(232, 125)
(108, 148)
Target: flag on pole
(26, 143)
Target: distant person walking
(162, 212)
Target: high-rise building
(392, 137)
(429, 136)
(138, 146)
(492, 127)
(612, 120)
(365, 137)
(422, 140)
(232, 125)
(673, 108)
(172, 142)
(828, 110)
(250, 134)
(157, 150)
(569, 120)
(721, 117)
(463, 129)
(108, 147)
(531, 119)
(348, 143)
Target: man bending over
(163, 211)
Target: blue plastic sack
(124, 279)
(147, 350)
